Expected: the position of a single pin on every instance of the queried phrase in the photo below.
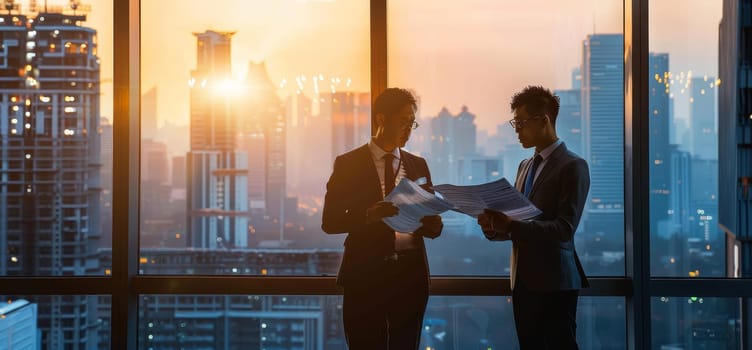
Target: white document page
(414, 203)
(498, 195)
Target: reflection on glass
(55, 322)
(695, 323)
(683, 80)
(55, 141)
(314, 322)
(240, 127)
(465, 70)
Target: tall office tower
(50, 171)
(603, 126)
(149, 114)
(658, 147)
(262, 118)
(702, 118)
(344, 125)
(216, 169)
(569, 121)
(735, 129)
(351, 120)
(308, 168)
(154, 162)
(451, 137)
(155, 191)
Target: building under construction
(50, 162)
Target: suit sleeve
(339, 216)
(575, 182)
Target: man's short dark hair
(392, 100)
(537, 100)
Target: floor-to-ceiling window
(241, 106)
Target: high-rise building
(569, 120)
(603, 117)
(452, 137)
(603, 131)
(217, 171)
(702, 118)
(658, 147)
(735, 130)
(262, 118)
(154, 162)
(351, 120)
(50, 187)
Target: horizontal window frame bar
(315, 285)
(701, 287)
(270, 285)
(53, 285)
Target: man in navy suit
(546, 274)
(384, 273)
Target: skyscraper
(658, 148)
(569, 121)
(217, 170)
(702, 118)
(452, 137)
(351, 120)
(603, 116)
(603, 131)
(50, 187)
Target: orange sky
(472, 52)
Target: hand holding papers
(498, 195)
(414, 203)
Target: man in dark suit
(546, 273)
(384, 273)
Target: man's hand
(494, 223)
(432, 226)
(379, 211)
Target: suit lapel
(548, 168)
(520, 181)
(372, 176)
(407, 162)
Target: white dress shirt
(403, 241)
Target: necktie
(388, 173)
(531, 174)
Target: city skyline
(268, 33)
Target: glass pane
(240, 127)
(55, 138)
(315, 322)
(55, 322)
(685, 238)
(695, 323)
(465, 69)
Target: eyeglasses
(519, 123)
(409, 124)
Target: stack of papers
(414, 202)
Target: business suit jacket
(353, 187)
(543, 252)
